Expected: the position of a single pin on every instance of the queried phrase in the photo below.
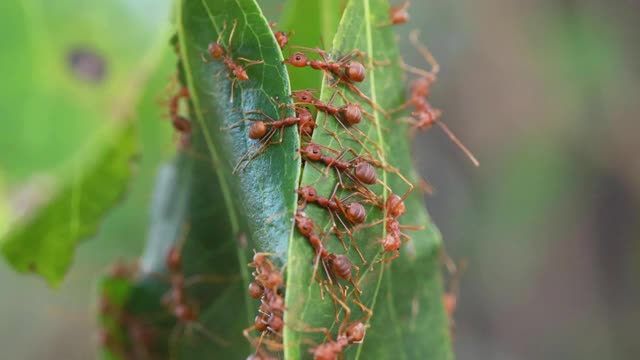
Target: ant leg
(413, 37)
(239, 122)
(320, 52)
(260, 145)
(211, 336)
(250, 62)
(459, 143)
(233, 30)
(355, 281)
(396, 254)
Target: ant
(266, 286)
(265, 130)
(397, 15)
(348, 333)
(338, 266)
(347, 115)
(217, 52)
(282, 38)
(394, 238)
(450, 297)
(347, 70)
(180, 123)
(354, 212)
(363, 170)
(359, 170)
(176, 298)
(425, 115)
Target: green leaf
(225, 216)
(405, 297)
(254, 196)
(74, 86)
(44, 242)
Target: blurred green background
(544, 92)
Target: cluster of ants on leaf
(356, 173)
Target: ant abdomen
(255, 290)
(181, 124)
(366, 173)
(355, 71)
(355, 212)
(257, 130)
(351, 113)
(341, 265)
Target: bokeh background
(544, 92)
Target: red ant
(184, 310)
(425, 115)
(265, 130)
(348, 333)
(347, 115)
(363, 170)
(334, 265)
(217, 52)
(397, 15)
(266, 286)
(359, 170)
(180, 123)
(354, 212)
(394, 208)
(346, 69)
(450, 297)
(281, 37)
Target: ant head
(298, 59)
(355, 332)
(257, 130)
(355, 212)
(391, 243)
(308, 193)
(366, 173)
(240, 73)
(355, 71)
(352, 113)
(282, 38)
(312, 152)
(421, 87)
(399, 14)
(303, 96)
(304, 114)
(215, 50)
(304, 224)
(395, 206)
